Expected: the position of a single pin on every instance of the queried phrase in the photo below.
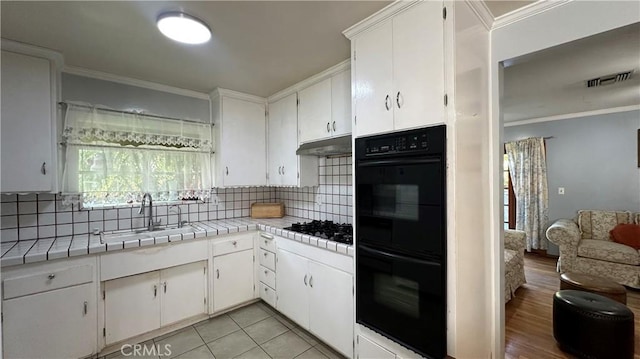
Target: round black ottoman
(592, 326)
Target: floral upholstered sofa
(514, 245)
(586, 247)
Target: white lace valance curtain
(114, 158)
(85, 124)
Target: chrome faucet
(150, 223)
(180, 223)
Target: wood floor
(528, 316)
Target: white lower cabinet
(132, 306)
(233, 276)
(141, 303)
(56, 324)
(318, 297)
(233, 279)
(368, 349)
(49, 310)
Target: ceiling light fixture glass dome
(183, 28)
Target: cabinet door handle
(279, 170)
(51, 276)
(386, 103)
(85, 308)
(227, 170)
(282, 169)
(305, 279)
(217, 273)
(165, 286)
(235, 243)
(155, 291)
(398, 99)
(334, 126)
(43, 169)
(328, 127)
(311, 282)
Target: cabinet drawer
(268, 295)
(267, 242)
(42, 282)
(268, 277)
(267, 259)
(232, 245)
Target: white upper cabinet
(399, 70)
(324, 108)
(28, 113)
(284, 166)
(315, 112)
(341, 103)
(240, 137)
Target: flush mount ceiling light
(184, 28)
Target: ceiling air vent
(609, 79)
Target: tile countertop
(39, 250)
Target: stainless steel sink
(122, 236)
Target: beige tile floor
(255, 331)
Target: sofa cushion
(627, 234)
(597, 224)
(608, 251)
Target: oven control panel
(426, 140)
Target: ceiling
(499, 7)
(258, 47)
(553, 81)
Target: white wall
(469, 267)
(567, 22)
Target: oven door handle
(380, 253)
(365, 163)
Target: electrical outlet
(215, 200)
(560, 190)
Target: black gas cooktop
(342, 233)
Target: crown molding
(31, 50)
(382, 15)
(527, 11)
(342, 66)
(482, 12)
(79, 71)
(567, 116)
(220, 92)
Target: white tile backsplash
(334, 193)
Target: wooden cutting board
(267, 210)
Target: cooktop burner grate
(342, 233)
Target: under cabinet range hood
(331, 146)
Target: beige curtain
(528, 170)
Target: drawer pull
(265, 255)
(85, 307)
(265, 272)
(265, 289)
(51, 276)
(235, 243)
(165, 286)
(266, 235)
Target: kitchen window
(114, 157)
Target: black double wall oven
(401, 237)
